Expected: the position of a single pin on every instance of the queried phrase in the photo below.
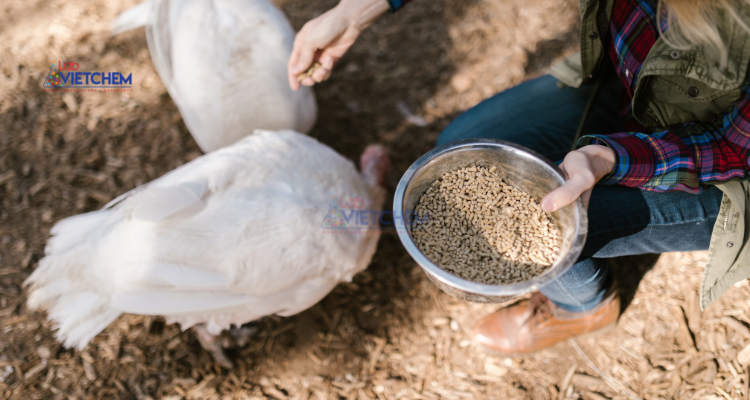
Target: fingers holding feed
(307, 78)
(318, 71)
(303, 49)
(305, 60)
(299, 61)
(321, 74)
(324, 69)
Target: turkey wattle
(224, 62)
(227, 238)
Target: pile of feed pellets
(481, 229)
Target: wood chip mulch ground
(388, 335)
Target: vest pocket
(679, 100)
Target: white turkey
(230, 237)
(224, 63)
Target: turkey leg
(215, 344)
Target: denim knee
(583, 287)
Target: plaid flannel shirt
(678, 159)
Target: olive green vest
(676, 86)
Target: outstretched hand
(327, 38)
(585, 167)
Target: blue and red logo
(349, 215)
(73, 80)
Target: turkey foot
(215, 344)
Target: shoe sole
(603, 330)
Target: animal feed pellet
(309, 71)
(479, 228)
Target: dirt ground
(388, 335)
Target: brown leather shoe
(536, 324)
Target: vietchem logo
(339, 217)
(351, 216)
(79, 81)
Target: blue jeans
(622, 221)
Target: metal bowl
(520, 167)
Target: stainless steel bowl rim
(474, 287)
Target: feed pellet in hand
(309, 71)
(481, 229)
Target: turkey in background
(224, 63)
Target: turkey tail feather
(135, 17)
(79, 315)
(74, 231)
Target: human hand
(325, 39)
(585, 167)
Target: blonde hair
(694, 23)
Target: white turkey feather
(80, 316)
(224, 64)
(227, 238)
(159, 203)
(133, 18)
(169, 276)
